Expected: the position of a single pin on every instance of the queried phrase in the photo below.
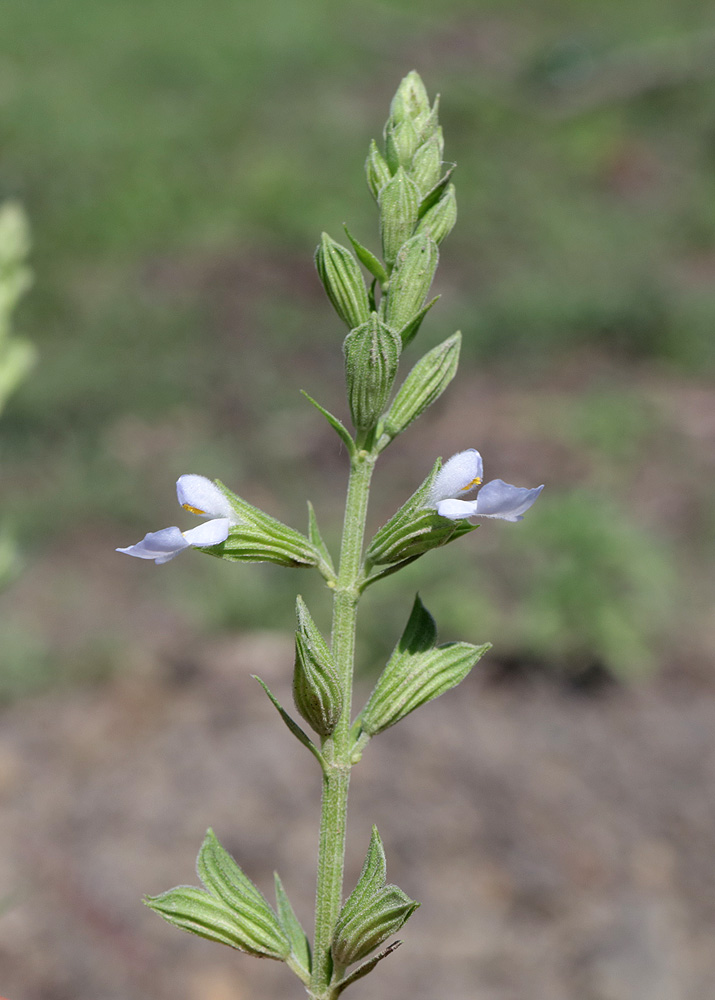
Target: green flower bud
(425, 169)
(424, 384)
(410, 102)
(399, 204)
(410, 280)
(376, 170)
(401, 142)
(316, 688)
(372, 911)
(343, 281)
(372, 354)
(439, 220)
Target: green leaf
(316, 540)
(362, 970)
(367, 258)
(342, 432)
(300, 946)
(410, 330)
(372, 911)
(301, 736)
(316, 688)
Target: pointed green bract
(372, 911)
(438, 221)
(362, 970)
(339, 428)
(417, 672)
(367, 258)
(291, 724)
(424, 384)
(300, 957)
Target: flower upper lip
(461, 475)
(198, 495)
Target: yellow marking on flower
(477, 481)
(193, 510)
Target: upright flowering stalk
(417, 208)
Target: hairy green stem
(337, 748)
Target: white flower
(199, 496)
(461, 475)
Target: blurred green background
(177, 163)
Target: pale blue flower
(199, 496)
(462, 474)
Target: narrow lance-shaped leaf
(339, 428)
(316, 539)
(300, 946)
(362, 970)
(367, 258)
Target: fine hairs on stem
(412, 186)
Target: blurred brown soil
(561, 841)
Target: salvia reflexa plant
(416, 202)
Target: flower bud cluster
(417, 210)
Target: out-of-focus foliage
(16, 355)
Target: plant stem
(337, 747)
